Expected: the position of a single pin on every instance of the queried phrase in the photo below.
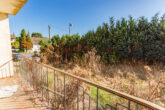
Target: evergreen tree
(23, 40)
(120, 40)
(29, 42)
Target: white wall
(5, 46)
(36, 48)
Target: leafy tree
(55, 42)
(43, 43)
(35, 34)
(15, 44)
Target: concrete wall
(5, 47)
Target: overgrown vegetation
(140, 80)
(120, 40)
(128, 45)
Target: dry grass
(147, 82)
(138, 79)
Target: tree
(16, 44)
(43, 43)
(132, 34)
(23, 40)
(55, 40)
(35, 34)
(123, 39)
(29, 42)
(142, 30)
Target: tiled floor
(23, 99)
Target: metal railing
(5, 69)
(66, 91)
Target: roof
(36, 40)
(12, 36)
(11, 6)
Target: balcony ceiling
(11, 6)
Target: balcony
(65, 91)
(61, 90)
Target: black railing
(65, 91)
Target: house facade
(13, 38)
(35, 43)
(7, 7)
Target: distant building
(35, 43)
(13, 38)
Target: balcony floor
(23, 99)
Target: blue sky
(85, 15)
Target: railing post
(32, 74)
(129, 105)
(83, 99)
(47, 86)
(20, 69)
(77, 94)
(42, 82)
(54, 90)
(41, 76)
(97, 106)
(64, 93)
(58, 100)
(36, 76)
